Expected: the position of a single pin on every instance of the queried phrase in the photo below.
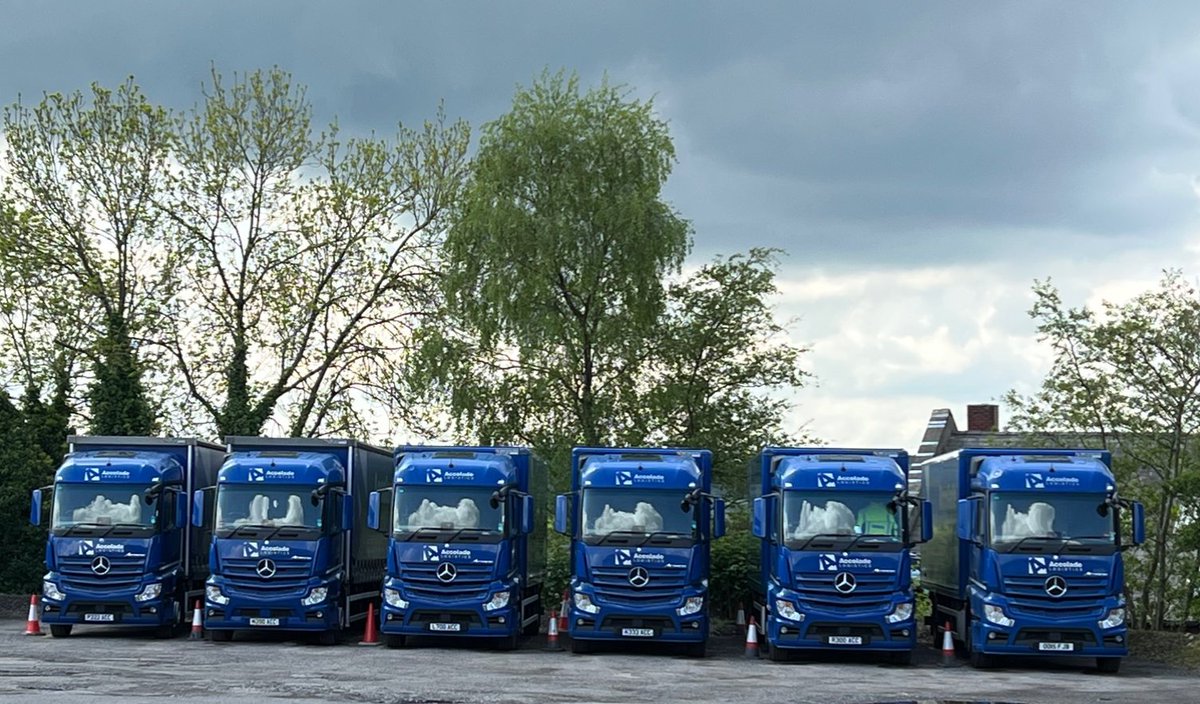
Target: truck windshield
(447, 513)
(636, 517)
(820, 518)
(1044, 522)
(264, 510)
(101, 509)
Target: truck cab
(120, 549)
(641, 521)
(1030, 562)
(467, 554)
(284, 554)
(836, 528)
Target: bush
(734, 567)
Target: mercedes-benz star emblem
(101, 565)
(844, 582)
(265, 568)
(1056, 586)
(446, 572)
(639, 577)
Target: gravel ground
(110, 665)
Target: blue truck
(1026, 557)
(641, 521)
(837, 527)
(290, 549)
(467, 555)
(121, 550)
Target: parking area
(108, 665)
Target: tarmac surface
(114, 665)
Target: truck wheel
(509, 642)
(60, 630)
(220, 636)
(165, 631)
(777, 654)
(696, 650)
(1109, 665)
(902, 658)
(395, 642)
(581, 647)
(981, 660)
(328, 638)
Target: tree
(23, 467)
(310, 258)
(714, 361)
(556, 259)
(86, 175)
(1127, 379)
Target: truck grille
(420, 579)
(124, 571)
(612, 585)
(871, 591)
(290, 578)
(1028, 597)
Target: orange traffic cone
(197, 623)
(552, 633)
(948, 658)
(752, 639)
(33, 627)
(371, 634)
(741, 616)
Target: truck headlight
(213, 593)
(316, 596)
(392, 596)
(50, 589)
(498, 601)
(1115, 617)
(996, 615)
(902, 612)
(150, 591)
(692, 605)
(583, 602)
(786, 609)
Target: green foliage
(1125, 379)
(23, 467)
(735, 560)
(558, 567)
(117, 397)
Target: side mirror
(718, 518)
(965, 528)
(527, 516)
(181, 509)
(35, 509)
(373, 511)
(926, 521)
(347, 511)
(198, 509)
(1139, 523)
(561, 509)
(758, 518)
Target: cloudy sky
(921, 162)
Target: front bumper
(1032, 636)
(102, 608)
(618, 621)
(266, 613)
(851, 629)
(450, 617)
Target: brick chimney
(983, 418)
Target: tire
(696, 650)
(220, 636)
(1110, 666)
(981, 660)
(60, 630)
(165, 631)
(508, 643)
(902, 658)
(395, 642)
(775, 654)
(581, 647)
(328, 638)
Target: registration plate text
(446, 627)
(1056, 646)
(264, 622)
(845, 640)
(638, 632)
(103, 618)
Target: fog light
(213, 592)
(904, 632)
(991, 635)
(500, 619)
(320, 614)
(150, 591)
(786, 609)
(996, 615)
(583, 602)
(1115, 617)
(579, 622)
(392, 597)
(902, 612)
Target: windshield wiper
(249, 526)
(665, 534)
(473, 531)
(878, 536)
(89, 526)
(820, 535)
(612, 533)
(1021, 542)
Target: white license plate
(845, 640)
(1056, 646)
(264, 622)
(638, 632)
(446, 627)
(103, 618)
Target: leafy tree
(310, 258)
(23, 467)
(556, 259)
(1126, 378)
(87, 172)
